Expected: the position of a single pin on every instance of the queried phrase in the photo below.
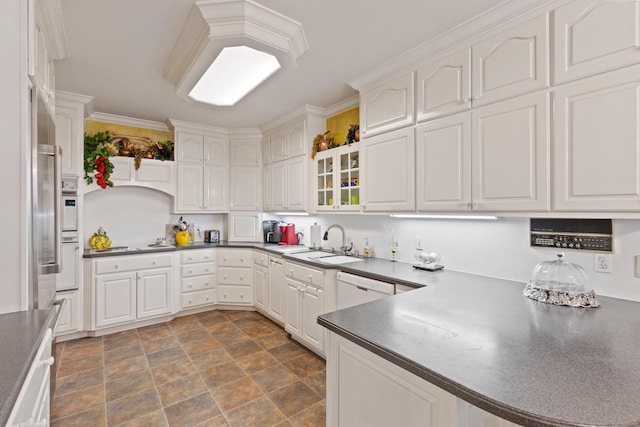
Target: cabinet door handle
(49, 361)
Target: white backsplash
(497, 248)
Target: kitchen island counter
(531, 363)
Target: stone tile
(235, 315)
(172, 371)
(221, 374)
(210, 359)
(236, 393)
(248, 321)
(169, 355)
(83, 364)
(231, 338)
(133, 406)
(200, 346)
(153, 419)
(183, 323)
(210, 318)
(79, 381)
(128, 384)
(272, 340)
(258, 329)
(127, 367)
(257, 413)
(121, 339)
(219, 421)
(121, 354)
(94, 417)
(294, 398)
(155, 332)
(151, 346)
(305, 365)
(285, 423)
(273, 378)
(318, 382)
(287, 351)
(315, 416)
(79, 401)
(243, 348)
(192, 334)
(221, 328)
(192, 411)
(257, 361)
(181, 389)
(83, 347)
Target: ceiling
(119, 48)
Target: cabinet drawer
(235, 258)
(260, 258)
(198, 283)
(129, 263)
(304, 274)
(197, 269)
(193, 256)
(235, 294)
(236, 276)
(194, 299)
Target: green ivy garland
(97, 150)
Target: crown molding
(74, 100)
(174, 124)
(342, 106)
(128, 121)
(53, 24)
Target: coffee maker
(288, 232)
(271, 231)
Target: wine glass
(394, 247)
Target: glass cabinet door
(338, 183)
(350, 178)
(324, 185)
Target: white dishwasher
(354, 290)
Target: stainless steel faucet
(343, 249)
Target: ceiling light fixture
(430, 216)
(227, 38)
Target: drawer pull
(190, 271)
(49, 361)
(241, 278)
(207, 297)
(189, 259)
(189, 301)
(153, 262)
(191, 286)
(206, 257)
(116, 266)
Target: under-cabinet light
(430, 216)
(292, 213)
(234, 73)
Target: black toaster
(212, 236)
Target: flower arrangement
(321, 142)
(353, 135)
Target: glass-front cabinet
(338, 179)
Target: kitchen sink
(287, 249)
(311, 255)
(337, 259)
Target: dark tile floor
(220, 368)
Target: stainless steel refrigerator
(45, 205)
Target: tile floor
(219, 368)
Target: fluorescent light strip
(233, 74)
(428, 216)
(292, 213)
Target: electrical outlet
(419, 243)
(602, 263)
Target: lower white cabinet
(32, 405)
(198, 277)
(131, 287)
(235, 276)
(364, 389)
(304, 303)
(245, 227)
(72, 316)
(276, 305)
(260, 280)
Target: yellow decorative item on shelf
(100, 240)
(182, 237)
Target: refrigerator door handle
(57, 165)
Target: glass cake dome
(562, 283)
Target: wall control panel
(581, 234)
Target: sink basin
(287, 249)
(311, 255)
(337, 259)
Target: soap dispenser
(367, 248)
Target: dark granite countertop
(20, 334)
(531, 363)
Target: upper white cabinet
(511, 63)
(443, 164)
(592, 36)
(444, 86)
(245, 227)
(387, 106)
(71, 110)
(246, 188)
(155, 174)
(288, 142)
(510, 153)
(597, 143)
(245, 151)
(288, 185)
(202, 155)
(388, 163)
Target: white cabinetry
(387, 106)
(364, 389)
(592, 36)
(444, 86)
(128, 288)
(71, 109)
(288, 180)
(276, 305)
(597, 143)
(472, 416)
(155, 174)
(246, 188)
(245, 227)
(337, 179)
(511, 63)
(510, 153)
(32, 404)
(235, 276)
(198, 279)
(304, 303)
(288, 142)
(260, 280)
(72, 316)
(443, 164)
(202, 154)
(389, 171)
